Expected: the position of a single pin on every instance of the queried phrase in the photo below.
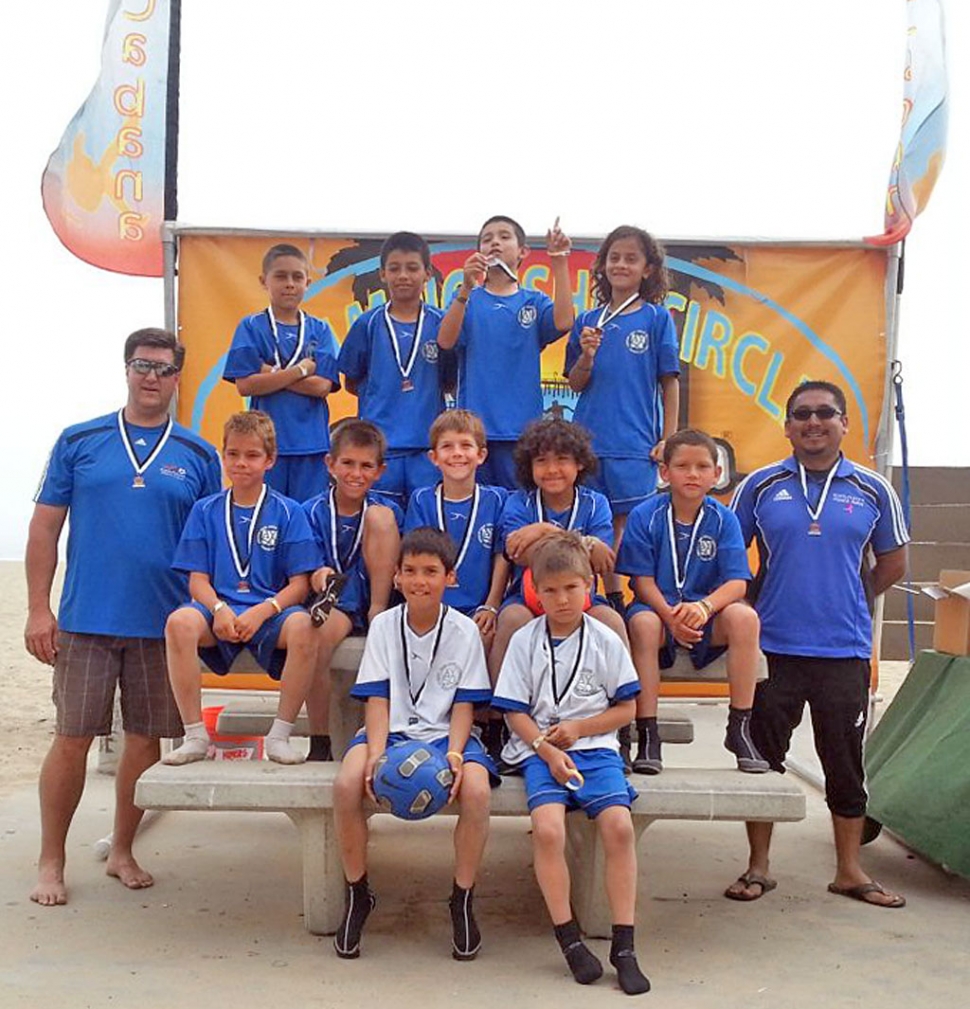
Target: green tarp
(918, 761)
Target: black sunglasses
(142, 366)
(803, 413)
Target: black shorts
(837, 693)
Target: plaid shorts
(86, 672)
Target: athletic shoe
(737, 739)
(360, 902)
(466, 938)
(648, 759)
(321, 603)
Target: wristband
(588, 543)
(276, 606)
(455, 753)
(301, 368)
(462, 299)
(558, 255)
(706, 607)
(220, 603)
(485, 606)
(537, 742)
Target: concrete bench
(305, 793)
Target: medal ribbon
(140, 468)
(242, 567)
(574, 511)
(558, 695)
(813, 515)
(606, 316)
(680, 577)
(276, 339)
(439, 497)
(344, 563)
(438, 628)
(405, 370)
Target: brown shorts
(86, 672)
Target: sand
(223, 922)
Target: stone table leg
(322, 872)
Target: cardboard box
(951, 625)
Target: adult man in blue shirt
(817, 517)
(129, 480)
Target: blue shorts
(220, 656)
(407, 470)
(701, 654)
(498, 470)
(604, 783)
(626, 482)
(474, 752)
(300, 477)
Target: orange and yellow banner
(753, 321)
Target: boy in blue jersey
(128, 480)
(552, 459)
(500, 331)
(623, 358)
(566, 686)
(390, 363)
(358, 531)
(249, 552)
(422, 674)
(831, 537)
(467, 511)
(689, 574)
(286, 361)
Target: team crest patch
(176, 472)
(638, 341)
(527, 316)
(586, 684)
(449, 675)
(429, 351)
(706, 548)
(486, 535)
(267, 536)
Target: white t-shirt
(592, 671)
(423, 675)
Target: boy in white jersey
(566, 685)
(422, 674)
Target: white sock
(277, 744)
(194, 747)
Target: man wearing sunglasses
(831, 537)
(128, 480)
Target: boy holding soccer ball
(422, 674)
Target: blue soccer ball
(412, 780)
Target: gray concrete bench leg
(323, 891)
(587, 866)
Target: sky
(694, 118)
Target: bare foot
(50, 889)
(131, 874)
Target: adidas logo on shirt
(782, 495)
(141, 441)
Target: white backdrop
(692, 118)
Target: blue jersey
(273, 542)
(812, 592)
(688, 562)
(302, 422)
(340, 538)
(397, 389)
(622, 403)
(590, 515)
(125, 525)
(499, 348)
(477, 545)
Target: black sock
(320, 748)
(360, 901)
(584, 965)
(466, 938)
(622, 956)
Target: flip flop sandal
(861, 892)
(746, 880)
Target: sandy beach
(223, 922)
